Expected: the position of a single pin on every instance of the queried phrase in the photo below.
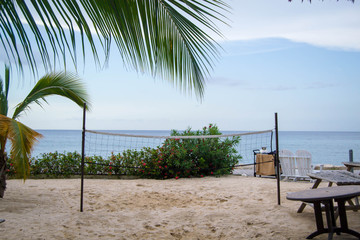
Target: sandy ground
(232, 207)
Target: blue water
(325, 147)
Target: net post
(277, 158)
(82, 159)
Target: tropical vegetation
(178, 157)
(21, 137)
(175, 158)
(170, 39)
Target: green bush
(127, 163)
(175, 158)
(97, 165)
(56, 164)
(10, 167)
(191, 157)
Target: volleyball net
(181, 154)
(111, 145)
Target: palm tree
(171, 39)
(22, 138)
(166, 38)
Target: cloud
(322, 23)
(248, 85)
(320, 85)
(279, 87)
(256, 46)
(226, 82)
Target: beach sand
(230, 207)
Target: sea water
(325, 147)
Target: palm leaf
(166, 38)
(4, 90)
(61, 84)
(22, 140)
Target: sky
(297, 59)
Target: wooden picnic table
(339, 177)
(326, 196)
(351, 165)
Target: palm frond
(22, 140)
(61, 84)
(4, 91)
(166, 38)
(16, 15)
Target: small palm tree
(22, 138)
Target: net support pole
(277, 158)
(82, 159)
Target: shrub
(97, 165)
(191, 157)
(56, 164)
(175, 158)
(10, 166)
(128, 162)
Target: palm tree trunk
(2, 174)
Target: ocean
(325, 147)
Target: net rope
(104, 144)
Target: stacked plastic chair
(287, 163)
(303, 163)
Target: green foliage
(63, 84)
(191, 157)
(57, 164)
(170, 39)
(97, 165)
(175, 158)
(69, 163)
(22, 138)
(128, 162)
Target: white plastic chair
(303, 163)
(287, 162)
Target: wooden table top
(321, 194)
(338, 177)
(352, 164)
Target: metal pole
(82, 159)
(351, 158)
(277, 158)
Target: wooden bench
(351, 165)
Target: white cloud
(322, 23)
